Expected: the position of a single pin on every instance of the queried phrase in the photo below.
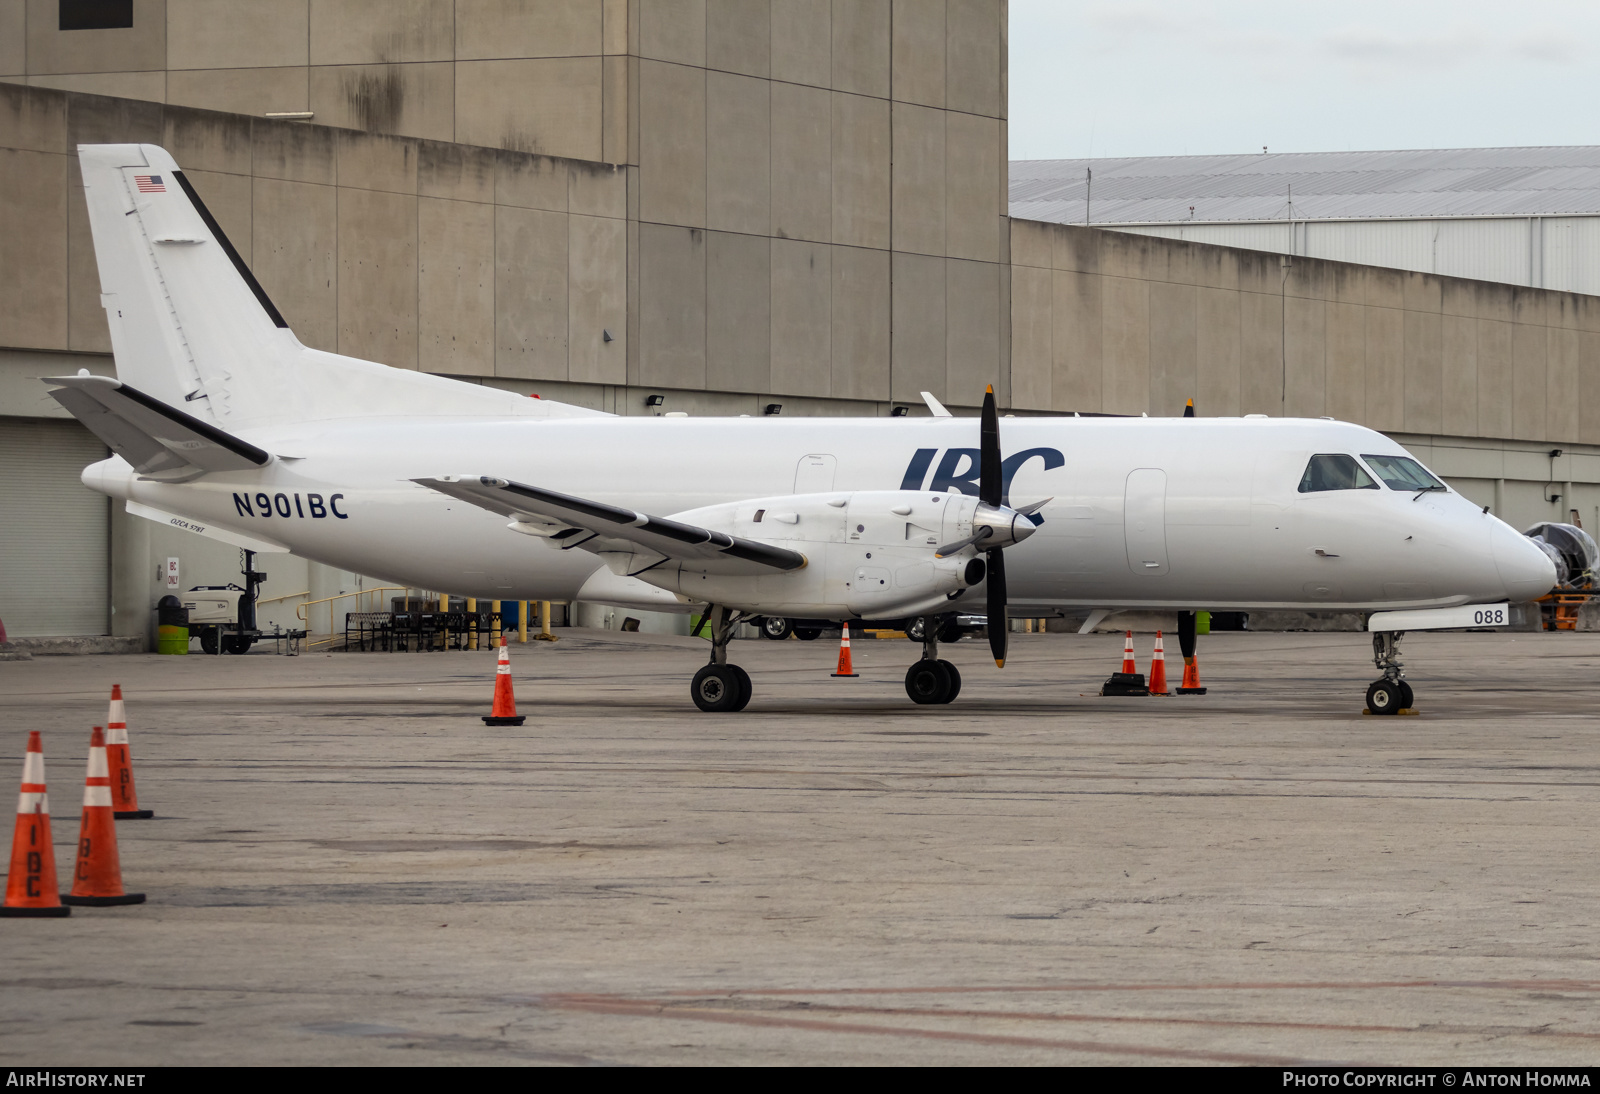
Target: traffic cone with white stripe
(31, 888)
(97, 876)
(124, 799)
(1127, 655)
(1158, 669)
(504, 711)
(845, 668)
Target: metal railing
(285, 596)
(336, 634)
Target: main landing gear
(721, 688)
(930, 680)
(1390, 694)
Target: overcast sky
(1175, 78)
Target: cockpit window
(1402, 473)
(1335, 471)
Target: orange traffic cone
(124, 800)
(845, 668)
(97, 877)
(31, 888)
(1191, 677)
(1127, 655)
(504, 712)
(1158, 669)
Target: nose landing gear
(931, 681)
(1389, 694)
(721, 688)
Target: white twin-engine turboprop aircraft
(222, 418)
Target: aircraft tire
(776, 628)
(716, 689)
(1407, 697)
(955, 681)
(928, 683)
(808, 634)
(746, 689)
(1383, 697)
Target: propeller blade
(951, 548)
(998, 625)
(1029, 510)
(989, 452)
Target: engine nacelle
(868, 553)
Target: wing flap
(158, 440)
(609, 529)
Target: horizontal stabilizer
(607, 529)
(161, 442)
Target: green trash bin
(172, 626)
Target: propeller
(989, 494)
(995, 525)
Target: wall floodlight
(654, 400)
(773, 409)
(899, 412)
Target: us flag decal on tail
(149, 184)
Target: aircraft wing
(608, 529)
(158, 440)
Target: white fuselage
(1144, 512)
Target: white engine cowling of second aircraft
(868, 553)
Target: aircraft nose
(1524, 569)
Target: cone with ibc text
(504, 712)
(1158, 669)
(97, 876)
(1191, 677)
(1127, 655)
(124, 799)
(845, 668)
(31, 888)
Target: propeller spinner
(995, 526)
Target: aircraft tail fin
(192, 327)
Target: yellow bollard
(522, 621)
(494, 624)
(472, 623)
(544, 634)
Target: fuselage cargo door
(814, 474)
(1144, 515)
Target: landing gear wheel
(808, 634)
(1406, 696)
(955, 681)
(745, 687)
(718, 689)
(1384, 697)
(776, 628)
(928, 682)
(916, 628)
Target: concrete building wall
(545, 76)
(1482, 380)
(465, 261)
(817, 197)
